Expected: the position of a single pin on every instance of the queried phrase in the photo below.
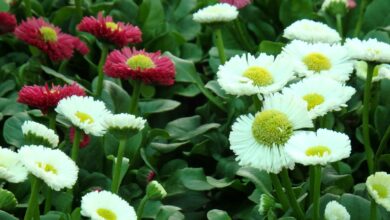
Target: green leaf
(259, 178)
(11, 106)
(62, 200)
(4, 6)
(376, 15)
(292, 10)
(157, 106)
(216, 214)
(114, 96)
(12, 130)
(152, 19)
(270, 47)
(6, 86)
(167, 147)
(358, 207)
(168, 212)
(194, 179)
(7, 200)
(76, 215)
(6, 216)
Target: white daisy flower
(335, 211)
(53, 166)
(321, 147)
(322, 94)
(368, 50)
(311, 31)
(249, 75)
(124, 121)
(11, 168)
(35, 133)
(221, 12)
(85, 113)
(379, 188)
(381, 71)
(105, 205)
(322, 59)
(335, 3)
(259, 140)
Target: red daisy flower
(237, 3)
(7, 22)
(106, 29)
(83, 142)
(46, 98)
(49, 39)
(140, 65)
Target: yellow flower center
(271, 127)
(84, 117)
(140, 62)
(260, 76)
(47, 167)
(48, 34)
(313, 99)
(317, 62)
(112, 25)
(381, 190)
(317, 151)
(106, 214)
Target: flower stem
(141, 207)
(219, 44)
(27, 7)
(373, 210)
(48, 198)
(117, 169)
(135, 97)
(33, 207)
(76, 145)
(291, 196)
(366, 115)
(239, 31)
(339, 21)
(382, 146)
(102, 60)
(279, 191)
(52, 120)
(316, 192)
(79, 10)
(359, 22)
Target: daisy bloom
(7, 22)
(35, 133)
(11, 168)
(335, 6)
(155, 191)
(140, 65)
(321, 147)
(259, 141)
(53, 166)
(45, 98)
(381, 71)
(84, 140)
(351, 4)
(322, 59)
(124, 125)
(249, 75)
(106, 205)
(379, 189)
(322, 94)
(368, 50)
(218, 13)
(85, 113)
(104, 28)
(238, 3)
(311, 31)
(49, 39)
(335, 211)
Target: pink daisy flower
(238, 3)
(7, 22)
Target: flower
(104, 28)
(124, 125)
(249, 75)
(140, 65)
(85, 113)
(321, 94)
(259, 140)
(7, 22)
(35, 133)
(49, 39)
(335, 6)
(45, 98)
(53, 166)
(266, 203)
(155, 191)
(84, 140)
(321, 147)
(368, 50)
(351, 4)
(11, 168)
(379, 189)
(220, 12)
(335, 211)
(381, 71)
(312, 32)
(322, 59)
(238, 3)
(106, 205)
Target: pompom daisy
(49, 39)
(237, 3)
(335, 211)
(379, 188)
(84, 138)
(106, 29)
(322, 59)
(248, 75)
(11, 168)
(155, 191)
(218, 13)
(335, 6)
(85, 113)
(259, 141)
(53, 166)
(124, 125)
(140, 65)
(381, 71)
(311, 31)
(368, 50)
(322, 94)
(35, 133)
(106, 205)
(7, 22)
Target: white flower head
(368, 50)
(249, 75)
(322, 94)
(381, 71)
(85, 113)
(53, 166)
(220, 12)
(327, 4)
(105, 205)
(335, 211)
(322, 59)
(39, 134)
(124, 121)
(379, 188)
(321, 147)
(259, 141)
(311, 31)
(11, 168)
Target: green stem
(316, 192)
(373, 210)
(135, 97)
(238, 28)
(366, 122)
(33, 207)
(359, 22)
(102, 60)
(52, 120)
(76, 145)
(118, 165)
(279, 191)
(79, 10)
(219, 44)
(48, 198)
(27, 7)
(141, 207)
(339, 24)
(291, 196)
(311, 179)
(382, 146)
